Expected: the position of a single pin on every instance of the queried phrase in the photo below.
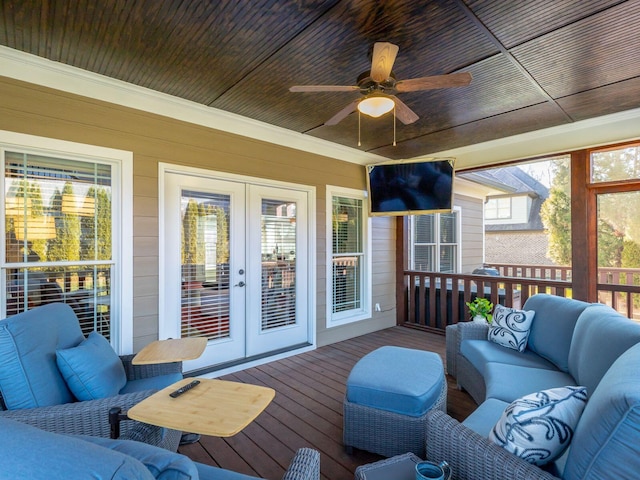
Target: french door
(235, 267)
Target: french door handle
(240, 284)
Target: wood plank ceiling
(535, 63)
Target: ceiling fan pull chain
(394, 124)
(359, 144)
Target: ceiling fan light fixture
(376, 106)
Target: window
(348, 277)
(435, 242)
(496, 208)
(617, 226)
(60, 238)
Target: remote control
(183, 389)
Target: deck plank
(307, 409)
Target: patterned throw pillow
(510, 327)
(539, 427)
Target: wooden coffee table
(214, 407)
(171, 350)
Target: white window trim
(334, 320)
(122, 295)
(458, 211)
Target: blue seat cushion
(152, 383)
(605, 444)
(481, 352)
(484, 418)
(510, 382)
(28, 452)
(92, 369)
(29, 375)
(396, 379)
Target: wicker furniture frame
(473, 457)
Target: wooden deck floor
(307, 409)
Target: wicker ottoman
(389, 393)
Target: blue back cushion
(29, 375)
(28, 452)
(600, 337)
(92, 369)
(552, 328)
(605, 444)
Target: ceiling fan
(379, 87)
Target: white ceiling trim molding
(41, 71)
(607, 129)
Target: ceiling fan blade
(342, 114)
(384, 54)
(323, 88)
(437, 81)
(404, 113)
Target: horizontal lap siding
(34, 110)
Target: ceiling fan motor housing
(368, 86)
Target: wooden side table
(214, 407)
(171, 350)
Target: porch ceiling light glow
(15, 207)
(376, 105)
(76, 205)
(41, 227)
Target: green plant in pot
(480, 310)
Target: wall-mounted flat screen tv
(408, 187)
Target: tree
(66, 245)
(96, 228)
(610, 245)
(556, 214)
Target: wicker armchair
(36, 393)
(92, 417)
(473, 457)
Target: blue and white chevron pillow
(539, 427)
(510, 327)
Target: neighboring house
(513, 228)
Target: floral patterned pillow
(510, 327)
(539, 427)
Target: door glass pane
(278, 247)
(205, 265)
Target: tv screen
(410, 187)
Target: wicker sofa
(576, 344)
(33, 391)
